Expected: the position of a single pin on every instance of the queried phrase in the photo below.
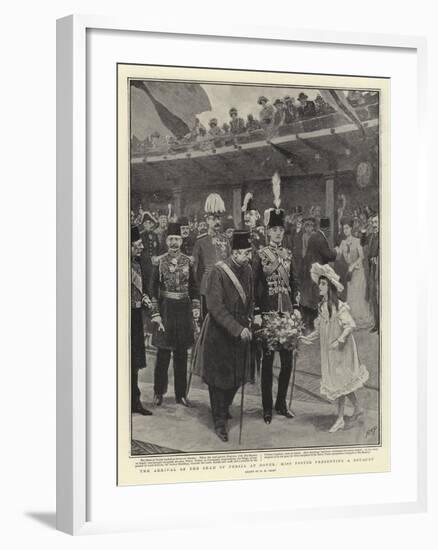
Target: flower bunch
(280, 331)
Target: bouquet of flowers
(280, 330)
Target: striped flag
(337, 100)
(166, 107)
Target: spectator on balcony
(355, 98)
(322, 107)
(197, 131)
(307, 108)
(267, 112)
(214, 128)
(279, 112)
(252, 124)
(290, 111)
(155, 139)
(237, 124)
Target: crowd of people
(272, 114)
(205, 281)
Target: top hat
(241, 240)
(184, 220)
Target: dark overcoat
(318, 251)
(222, 358)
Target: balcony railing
(209, 143)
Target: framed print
(228, 233)
(325, 161)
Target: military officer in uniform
(161, 231)
(211, 247)
(188, 237)
(174, 301)
(150, 246)
(251, 217)
(139, 300)
(222, 357)
(276, 289)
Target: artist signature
(371, 431)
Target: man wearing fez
(211, 247)
(316, 250)
(188, 237)
(223, 355)
(139, 300)
(276, 290)
(174, 301)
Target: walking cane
(294, 366)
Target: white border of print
(73, 211)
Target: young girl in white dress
(341, 372)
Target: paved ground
(176, 428)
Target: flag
(166, 107)
(338, 101)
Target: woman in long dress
(351, 251)
(341, 372)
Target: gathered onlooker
(237, 124)
(267, 112)
(351, 251)
(322, 107)
(252, 124)
(226, 128)
(307, 108)
(290, 110)
(214, 128)
(279, 112)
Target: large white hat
(318, 270)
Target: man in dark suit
(317, 251)
(307, 108)
(373, 273)
(276, 290)
(139, 300)
(223, 354)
